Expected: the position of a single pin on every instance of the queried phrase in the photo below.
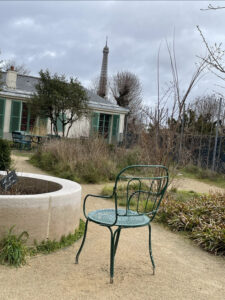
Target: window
(106, 126)
(27, 119)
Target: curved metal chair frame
(146, 186)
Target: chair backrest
(16, 135)
(141, 188)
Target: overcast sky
(68, 37)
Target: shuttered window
(15, 115)
(2, 114)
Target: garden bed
(30, 186)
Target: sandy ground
(183, 271)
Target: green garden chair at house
(140, 189)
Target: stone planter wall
(43, 216)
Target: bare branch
(20, 69)
(211, 7)
(215, 54)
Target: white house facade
(106, 118)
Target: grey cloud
(68, 37)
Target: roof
(25, 87)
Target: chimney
(11, 77)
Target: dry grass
(93, 160)
(84, 161)
(39, 129)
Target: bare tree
(166, 126)
(181, 97)
(126, 90)
(206, 106)
(19, 68)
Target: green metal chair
(140, 188)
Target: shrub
(5, 153)
(12, 248)
(128, 157)
(90, 161)
(202, 217)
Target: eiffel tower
(102, 89)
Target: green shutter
(95, 122)
(15, 115)
(115, 128)
(2, 114)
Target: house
(106, 118)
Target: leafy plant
(12, 248)
(201, 217)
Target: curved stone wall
(43, 216)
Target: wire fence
(186, 149)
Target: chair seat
(107, 217)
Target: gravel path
(183, 271)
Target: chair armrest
(95, 196)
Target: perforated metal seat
(125, 218)
(141, 191)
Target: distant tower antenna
(102, 89)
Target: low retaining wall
(43, 216)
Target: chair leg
(112, 251)
(116, 238)
(150, 249)
(82, 244)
